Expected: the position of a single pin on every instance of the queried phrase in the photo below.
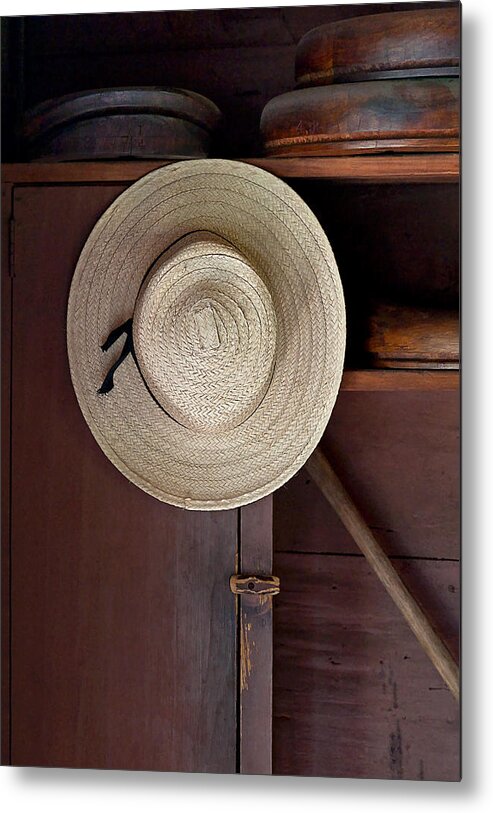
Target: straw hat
(206, 333)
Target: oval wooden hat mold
(121, 123)
(403, 337)
(400, 44)
(412, 115)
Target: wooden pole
(331, 487)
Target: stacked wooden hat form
(377, 83)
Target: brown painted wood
(399, 44)
(158, 32)
(399, 263)
(355, 695)
(320, 470)
(400, 381)
(319, 146)
(256, 645)
(90, 172)
(135, 136)
(433, 168)
(123, 623)
(6, 287)
(413, 115)
(409, 169)
(399, 453)
(413, 337)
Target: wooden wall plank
(392, 168)
(6, 287)
(256, 646)
(354, 695)
(401, 380)
(397, 454)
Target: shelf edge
(419, 168)
(400, 380)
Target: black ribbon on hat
(127, 349)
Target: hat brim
(277, 232)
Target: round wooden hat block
(399, 44)
(121, 123)
(394, 115)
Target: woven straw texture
(238, 330)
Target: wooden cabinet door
(123, 628)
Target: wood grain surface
(401, 381)
(239, 81)
(396, 115)
(156, 101)
(355, 695)
(123, 623)
(6, 333)
(128, 136)
(400, 336)
(399, 44)
(322, 472)
(398, 452)
(256, 642)
(409, 169)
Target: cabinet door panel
(123, 625)
(353, 688)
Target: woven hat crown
(204, 331)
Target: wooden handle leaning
(331, 487)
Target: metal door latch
(255, 585)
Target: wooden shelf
(400, 380)
(422, 168)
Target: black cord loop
(128, 348)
